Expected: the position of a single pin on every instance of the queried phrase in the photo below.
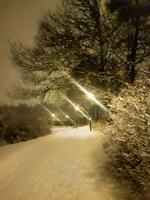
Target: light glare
(52, 114)
(89, 94)
(67, 116)
(77, 108)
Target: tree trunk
(98, 5)
(134, 47)
(133, 55)
(96, 12)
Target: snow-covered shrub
(22, 123)
(128, 146)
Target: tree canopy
(88, 42)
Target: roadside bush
(128, 146)
(22, 123)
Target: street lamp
(53, 115)
(90, 123)
(77, 108)
(67, 116)
(90, 95)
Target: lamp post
(90, 123)
(91, 97)
(77, 109)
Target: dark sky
(18, 22)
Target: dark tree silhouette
(68, 42)
(136, 13)
(85, 41)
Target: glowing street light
(57, 119)
(53, 115)
(77, 108)
(90, 95)
(70, 119)
(67, 116)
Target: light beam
(52, 114)
(67, 116)
(76, 107)
(89, 95)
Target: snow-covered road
(56, 167)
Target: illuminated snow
(55, 167)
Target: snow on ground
(82, 132)
(55, 167)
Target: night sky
(18, 22)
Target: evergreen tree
(136, 14)
(83, 40)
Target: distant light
(67, 116)
(77, 108)
(53, 115)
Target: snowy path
(55, 167)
